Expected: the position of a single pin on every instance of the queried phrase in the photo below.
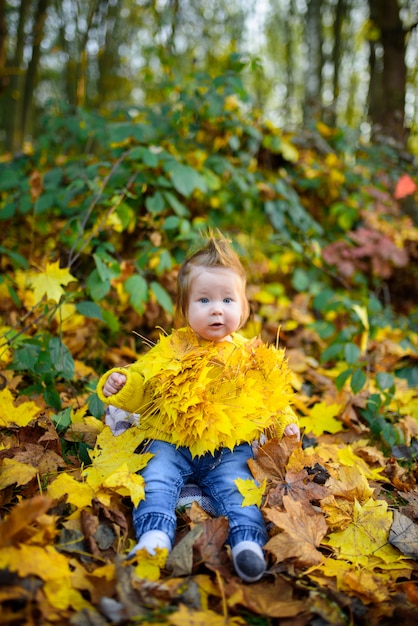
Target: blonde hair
(217, 252)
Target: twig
(72, 257)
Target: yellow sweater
(206, 395)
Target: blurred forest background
(351, 63)
(128, 127)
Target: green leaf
(96, 406)
(150, 158)
(155, 204)
(176, 205)
(300, 280)
(103, 270)
(374, 402)
(97, 287)
(385, 380)
(52, 397)
(171, 223)
(352, 353)
(358, 380)
(342, 378)
(62, 420)
(137, 287)
(323, 328)
(45, 202)
(61, 358)
(17, 258)
(333, 351)
(26, 357)
(185, 179)
(162, 296)
(89, 309)
(111, 321)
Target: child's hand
(114, 383)
(292, 429)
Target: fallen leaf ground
(341, 517)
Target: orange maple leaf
(302, 533)
(404, 187)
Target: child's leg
(164, 476)
(247, 531)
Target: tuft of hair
(217, 251)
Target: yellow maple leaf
(371, 587)
(108, 452)
(44, 562)
(366, 535)
(347, 486)
(347, 456)
(149, 565)
(189, 617)
(50, 282)
(11, 415)
(321, 418)
(105, 475)
(126, 484)
(78, 494)
(13, 471)
(61, 595)
(253, 493)
(48, 565)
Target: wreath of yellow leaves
(212, 395)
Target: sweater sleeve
(287, 416)
(130, 397)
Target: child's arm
(289, 423)
(123, 388)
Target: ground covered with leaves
(96, 220)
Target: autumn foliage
(96, 219)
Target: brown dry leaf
(209, 545)
(411, 509)
(21, 517)
(300, 487)
(324, 606)
(272, 459)
(265, 598)
(46, 461)
(365, 586)
(338, 511)
(302, 533)
(351, 484)
(404, 535)
(180, 560)
(197, 514)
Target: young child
(204, 393)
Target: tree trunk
(3, 48)
(387, 74)
(340, 13)
(32, 71)
(13, 104)
(313, 88)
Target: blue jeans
(171, 468)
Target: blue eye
(227, 300)
(204, 300)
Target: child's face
(215, 303)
